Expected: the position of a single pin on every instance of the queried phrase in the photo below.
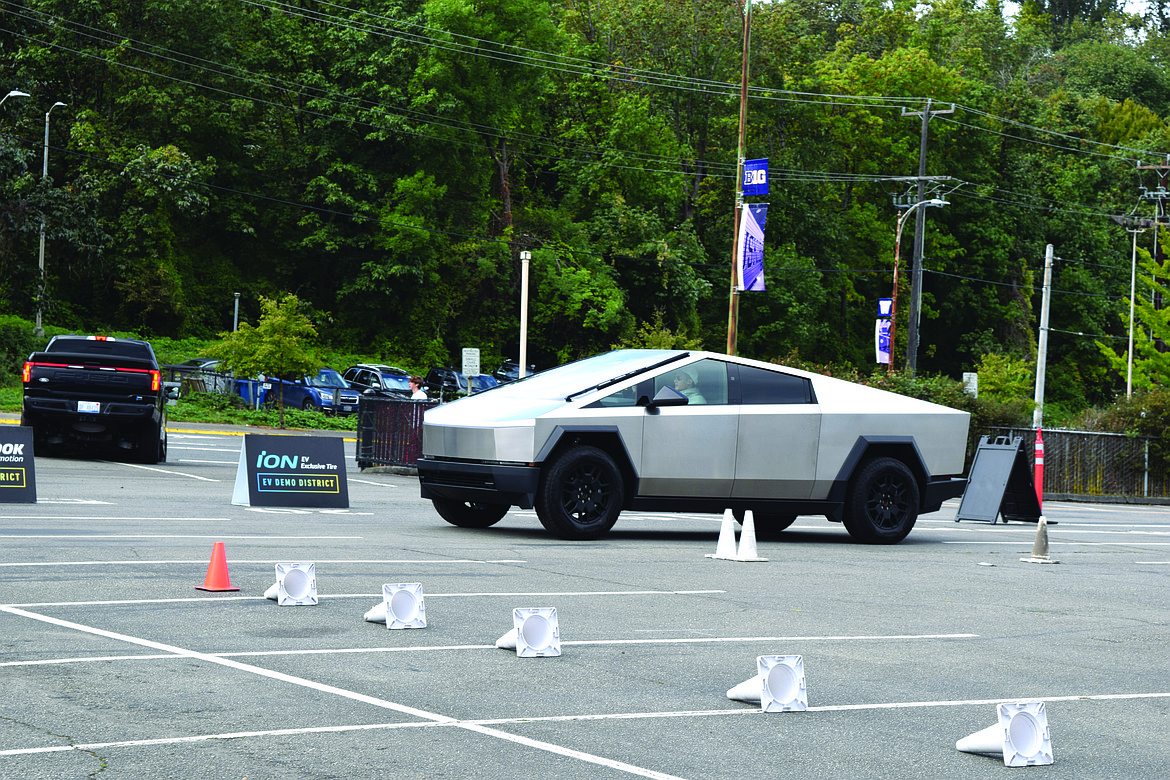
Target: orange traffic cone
(217, 571)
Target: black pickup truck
(96, 391)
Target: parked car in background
(326, 391)
(378, 377)
(509, 371)
(684, 431)
(446, 383)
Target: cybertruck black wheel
(580, 494)
(881, 503)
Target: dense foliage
(387, 160)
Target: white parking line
(254, 537)
(491, 647)
(514, 594)
(161, 471)
(323, 688)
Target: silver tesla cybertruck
(687, 431)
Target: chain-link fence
(1086, 464)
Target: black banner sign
(291, 471)
(18, 482)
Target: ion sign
(291, 471)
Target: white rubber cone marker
(747, 540)
(1021, 735)
(782, 683)
(296, 585)
(377, 613)
(537, 632)
(748, 690)
(725, 547)
(405, 607)
(508, 640)
(1040, 546)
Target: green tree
(278, 346)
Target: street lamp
(1129, 224)
(13, 93)
(38, 331)
(525, 256)
(897, 251)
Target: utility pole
(919, 230)
(1042, 351)
(1159, 196)
(733, 307)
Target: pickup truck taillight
(26, 375)
(155, 380)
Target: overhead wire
(580, 67)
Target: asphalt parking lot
(114, 665)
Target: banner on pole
(882, 340)
(751, 246)
(755, 177)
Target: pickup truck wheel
(467, 514)
(580, 494)
(151, 446)
(881, 503)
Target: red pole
(1039, 474)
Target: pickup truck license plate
(90, 407)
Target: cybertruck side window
(761, 386)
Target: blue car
(325, 391)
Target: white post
(38, 330)
(525, 256)
(1132, 290)
(1042, 352)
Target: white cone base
(748, 690)
(782, 683)
(404, 605)
(296, 585)
(537, 632)
(1021, 735)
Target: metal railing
(389, 430)
(1093, 465)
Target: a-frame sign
(1000, 484)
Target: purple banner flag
(751, 246)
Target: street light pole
(912, 209)
(1132, 226)
(525, 257)
(38, 331)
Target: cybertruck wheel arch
(901, 448)
(604, 437)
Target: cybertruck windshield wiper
(625, 376)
